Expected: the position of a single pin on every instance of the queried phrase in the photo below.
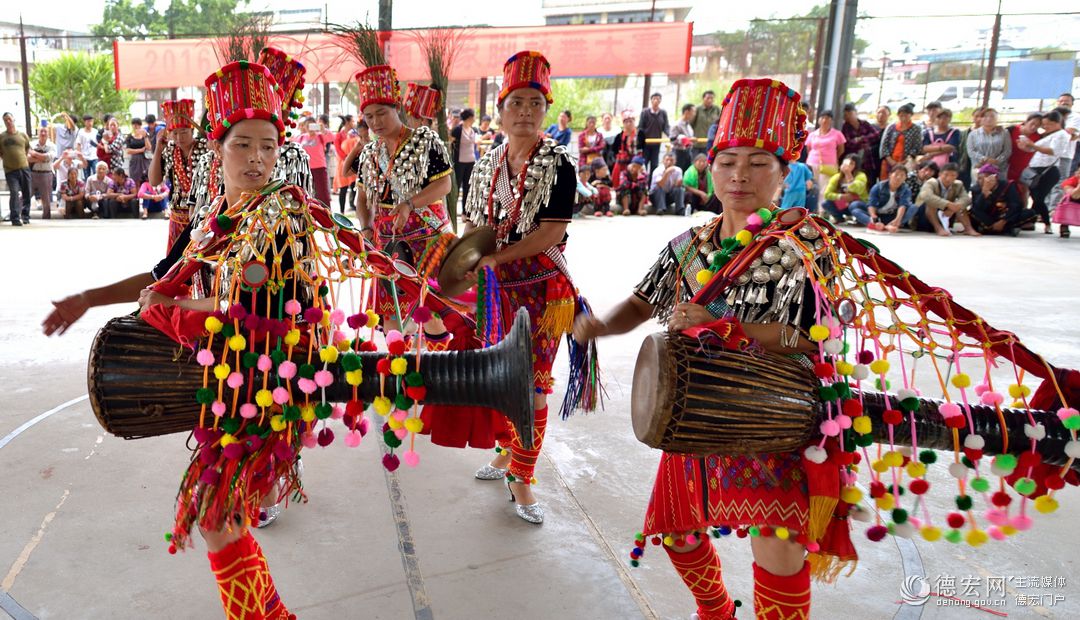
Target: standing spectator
(590, 144)
(154, 199)
(965, 161)
(344, 180)
(42, 155)
(66, 132)
(1042, 173)
(314, 141)
(846, 189)
(931, 111)
(881, 120)
(1021, 153)
(111, 146)
(73, 194)
(463, 153)
(706, 116)
(901, 142)
(152, 128)
(996, 207)
(666, 191)
(652, 125)
(609, 131)
(632, 190)
(138, 148)
(96, 187)
(682, 137)
(15, 145)
(121, 195)
(625, 146)
(862, 140)
(698, 183)
(989, 144)
(941, 143)
(797, 185)
(484, 131)
(86, 142)
(1072, 125)
(825, 146)
(560, 131)
(944, 201)
(889, 206)
(1064, 164)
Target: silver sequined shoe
(532, 513)
(269, 514)
(489, 472)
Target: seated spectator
(632, 190)
(590, 144)
(666, 192)
(924, 172)
(73, 193)
(96, 187)
(1067, 212)
(1022, 153)
(682, 137)
(560, 131)
(70, 158)
(1042, 173)
(996, 207)
(121, 197)
(889, 206)
(846, 188)
(941, 143)
(155, 200)
(600, 178)
(585, 192)
(797, 186)
(943, 201)
(698, 183)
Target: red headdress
(378, 84)
(178, 114)
(526, 70)
(422, 101)
(239, 91)
(289, 73)
(761, 113)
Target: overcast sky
(708, 15)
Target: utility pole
(25, 75)
(386, 15)
(819, 51)
(993, 57)
(648, 76)
(169, 16)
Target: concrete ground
(82, 513)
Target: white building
(558, 12)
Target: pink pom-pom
(309, 440)
(204, 357)
(249, 112)
(292, 307)
(357, 321)
(338, 337)
(352, 439)
(754, 229)
(1066, 412)
(401, 433)
(813, 547)
(949, 410)
(307, 386)
(1021, 522)
(235, 380)
(412, 459)
(364, 426)
(981, 389)
(390, 462)
(394, 336)
(265, 363)
(313, 315)
(422, 315)
(248, 411)
(400, 415)
(326, 437)
(754, 220)
(337, 317)
(830, 428)
(286, 370)
(324, 378)
(281, 395)
(995, 532)
(337, 413)
(690, 538)
(915, 522)
(992, 398)
(844, 421)
(218, 408)
(997, 516)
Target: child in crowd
(585, 194)
(600, 179)
(799, 180)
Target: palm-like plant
(360, 41)
(248, 35)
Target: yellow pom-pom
(393, 423)
(703, 277)
(862, 425)
(885, 502)
(845, 368)
(221, 371)
(1046, 504)
(1019, 391)
(307, 413)
(344, 345)
(744, 237)
(325, 320)
(228, 439)
(328, 355)
(915, 469)
(414, 425)
(930, 533)
(961, 381)
(851, 495)
(880, 466)
(264, 398)
(819, 333)
(781, 532)
(381, 404)
(212, 324)
(399, 366)
(1008, 530)
(893, 459)
(669, 541)
(292, 337)
(277, 423)
(976, 538)
(1017, 404)
(237, 343)
(372, 318)
(879, 367)
(354, 377)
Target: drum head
(462, 257)
(651, 397)
(254, 274)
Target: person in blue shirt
(890, 205)
(799, 179)
(560, 132)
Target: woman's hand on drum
(401, 214)
(588, 328)
(150, 297)
(65, 313)
(689, 315)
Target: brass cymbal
(462, 257)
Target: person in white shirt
(667, 193)
(1042, 173)
(1072, 125)
(41, 156)
(86, 143)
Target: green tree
(140, 19)
(78, 83)
(579, 95)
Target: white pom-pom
(1072, 449)
(859, 514)
(861, 372)
(906, 451)
(815, 454)
(905, 393)
(903, 530)
(1036, 432)
(833, 346)
(974, 442)
(958, 471)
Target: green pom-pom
(403, 402)
(278, 356)
(1005, 461)
(865, 441)
(225, 222)
(899, 515)
(204, 396)
(414, 379)
(323, 410)
(966, 462)
(1025, 486)
(350, 362)
(849, 440)
(910, 404)
(635, 563)
(511, 477)
(715, 533)
(982, 485)
(755, 530)
(738, 603)
(324, 290)
(1072, 422)
(954, 536)
(845, 349)
(880, 386)
(843, 390)
(230, 425)
(168, 536)
(228, 331)
(827, 393)
(291, 413)
(255, 429)
(306, 371)
(249, 359)
(729, 244)
(963, 502)
(639, 536)
(928, 457)
(765, 215)
(391, 439)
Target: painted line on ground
(26, 425)
(12, 608)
